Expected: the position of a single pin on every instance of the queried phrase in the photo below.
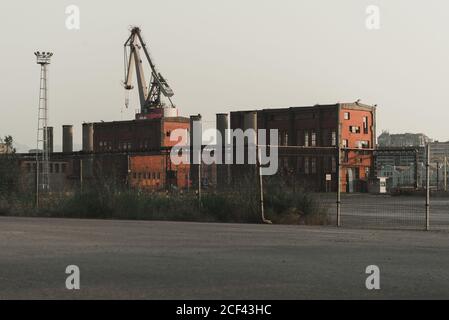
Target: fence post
(199, 178)
(445, 174)
(259, 173)
(428, 187)
(338, 186)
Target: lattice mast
(42, 147)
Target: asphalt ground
(180, 260)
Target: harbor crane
(150, 97)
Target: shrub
(241, 205)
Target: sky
(220, 56)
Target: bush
(240, 205)
(284, 204)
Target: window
(313, 138)
(333, 138)
(345, 143)
(347, 116)
(346, 156)
(365, 125)
(313, 165)
(158, 175)
(51, 167)
(56, 167)
(363, 144)
(334, 164)
(306, 138)
(63, 167)
(354, 129)
(306, 165)
(283, 138)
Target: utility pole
(199, 178)
(428, 188)
(338, 185)
(338, 165)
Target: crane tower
(151, 105)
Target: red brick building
(146, 143)
(308, 140)
(136, 135)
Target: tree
(9, 170)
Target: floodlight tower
(42, 148)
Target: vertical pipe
(196, 134)
(37, 181)
(67, 138)
(81, 175)
(338, 167)
(250, 147)
(48, 139)
(428, 188)
(222, 126)
(261, 199)
(88, 137)
(416, 169)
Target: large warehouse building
(308, 140)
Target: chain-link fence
(395, 200)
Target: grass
(239, 205)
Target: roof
(345, 105)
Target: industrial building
(308, 140)
(404, 167)
(386, 139)
(314, 141)
(134, 153)
(401, 158)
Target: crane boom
(150, 97)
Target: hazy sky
(227, 55)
